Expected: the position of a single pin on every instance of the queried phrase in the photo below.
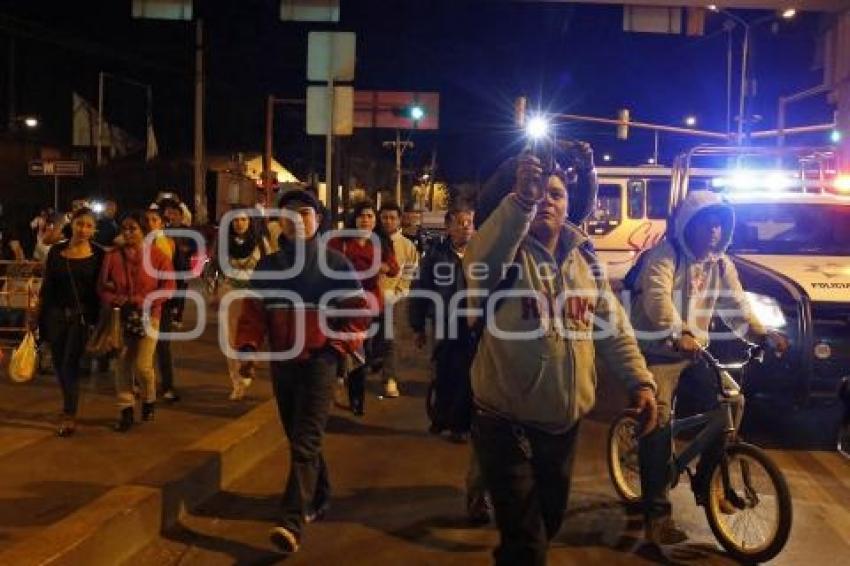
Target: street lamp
(690, 121)
(786, 14)
(31, 122)
(607, 157)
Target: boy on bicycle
(682, 283)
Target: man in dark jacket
(314, 338)
(442, 272)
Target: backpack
(632, 276)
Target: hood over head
(695, 203)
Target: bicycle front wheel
(623, 461)
(752, 520)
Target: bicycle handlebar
(754, 352)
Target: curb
(121, 522)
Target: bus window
(636, 205)
(608, 212)
(657, 199)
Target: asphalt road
(399, 499)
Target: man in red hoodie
(314, 339)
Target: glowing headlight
(766, 310)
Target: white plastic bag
(24, 360)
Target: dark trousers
(304, 391)
(453, 390)
(164, 361)
(67, 338)
(696, 394)
(356, 378)
(528, 474)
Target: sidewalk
(46, 478)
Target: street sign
(317, 110)
(386, 109)
(330, 53)
(66, 168)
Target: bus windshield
(791, 229)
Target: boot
(125, 420)
(147, 411)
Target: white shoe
(238, 391)
(391, 389)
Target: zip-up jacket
(546, 379)
(441, 271)
(676, 293)
(277, 317)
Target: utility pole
(399, 147)
(199, 177)
(11, 84)
(99, 117)
(271, 102)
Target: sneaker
(171, 396)
(662, 531)
(317, 514)
(391, 389)
(284, 539)
(238, 391)
(478, 510)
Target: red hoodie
(114, 288)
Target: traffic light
(415, 112)
(623, 126)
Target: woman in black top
(69, 305)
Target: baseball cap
(300, 197)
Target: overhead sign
(330, 56)
(67, 168)
(317, 110)
(386, 109)
(309, 10)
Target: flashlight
(537, 127)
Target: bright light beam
(537, 127)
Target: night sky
(478, 55)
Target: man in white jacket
(681, 284)
(394, 290)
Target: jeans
(67, 338)
(165, 363)
(383, 348)
(453, 399)
(136, 363)
(528, 474)
(656, 448)
(304, 391)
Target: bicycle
(746, 497)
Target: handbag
(106, 338)
(132, 318)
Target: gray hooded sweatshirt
(545, 379)
(675, 292)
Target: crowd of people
(498, 273)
